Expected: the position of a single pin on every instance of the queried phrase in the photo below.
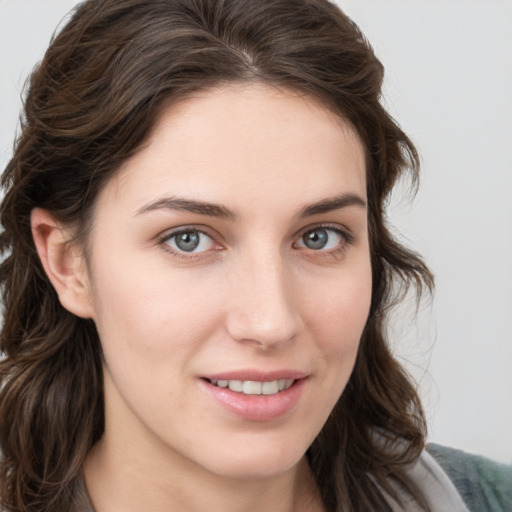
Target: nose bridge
(263, 309)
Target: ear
(63, 263)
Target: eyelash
(347, 240)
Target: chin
(252, 461)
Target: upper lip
(256, 375)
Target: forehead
(254, 140)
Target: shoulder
(484, 485)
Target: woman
(197, 269)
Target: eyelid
(170, 233)
(337, 228)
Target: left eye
(319, 239)
(190, 240)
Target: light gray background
(449, 83)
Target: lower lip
(257, 407)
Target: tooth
(251, 388)
(236, 385)
(270, 388)
(288, 383)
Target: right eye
(189, 241)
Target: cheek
(142, 313)
(338, 309)
(152, 330)
(336, 315)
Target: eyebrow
(189, 205)
(333, 203)
(220, 211)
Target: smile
(254, 395)
(250, 387)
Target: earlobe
(63, 263)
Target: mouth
(257, 396)
(251, 387)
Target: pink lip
(256, 407)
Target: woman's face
(230, 281)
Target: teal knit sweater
(484, 485)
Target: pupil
(316, 239)
(187, 241)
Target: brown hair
(90, 105)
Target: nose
(263, 309)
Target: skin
(253, 295)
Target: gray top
(438, 489)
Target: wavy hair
(90, 105)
